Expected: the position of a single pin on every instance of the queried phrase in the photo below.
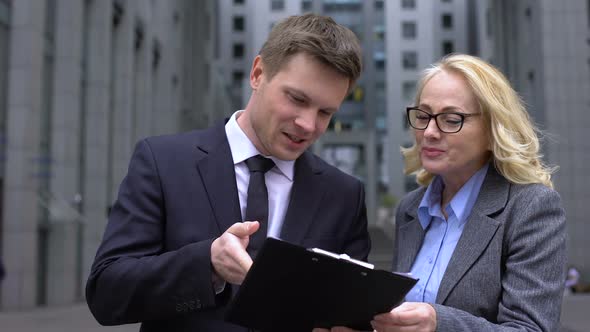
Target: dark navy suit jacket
(154, 263)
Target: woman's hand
(408, 317)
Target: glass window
(239, 23)
(237, 77)
(379, 59)
(379, 5)
(380, 64)
(527, 12)
(277, 5)
(447, 21)
(408, 90)
(380, 90)
(342, 5)
(448, 47)
(306, 6)
(4, 12)
(408, 4)
(379, 32)
(356, 95)
(409, 60)
(409, 30)
(238, 50)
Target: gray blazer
(508, 270)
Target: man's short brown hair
(317, 36)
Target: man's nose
(307, 120)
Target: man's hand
(229, 258)
(409, 316)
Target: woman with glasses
(485, 232)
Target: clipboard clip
(342, 257)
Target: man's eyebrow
(307, 98)
(298, 92)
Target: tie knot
(259, 163)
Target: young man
(175, 249)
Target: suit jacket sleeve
(534, 256)
(134, 278)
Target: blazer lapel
(305, 198)
(410, 236)
(215, 166)
(478, 231)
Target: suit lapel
(305, 197)
(410, 236)
(216, 169)
(478, 232)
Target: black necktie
(257, 202)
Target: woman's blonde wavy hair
(513, 137)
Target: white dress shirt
(279, 180)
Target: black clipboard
(291, 288)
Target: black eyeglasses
(448, 122)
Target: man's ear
(256, 73)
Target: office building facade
(82, 81)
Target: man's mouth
(294, 138)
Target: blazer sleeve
(533, 271)
(358, 244)
(134, 277)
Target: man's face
(289, 111)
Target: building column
(95, 186)
(21, 208)
(122, 97)
(63, 241)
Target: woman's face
(457, 156)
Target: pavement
(575, 314)
(77, 318)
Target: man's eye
(296, 99)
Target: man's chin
(288, 155)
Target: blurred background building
(82, 80)
(544, 48)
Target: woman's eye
(453, 120)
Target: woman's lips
(432, 152)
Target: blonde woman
(485, 232)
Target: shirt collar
(460, 205)
(242, 148)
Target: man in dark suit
(175, 248)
